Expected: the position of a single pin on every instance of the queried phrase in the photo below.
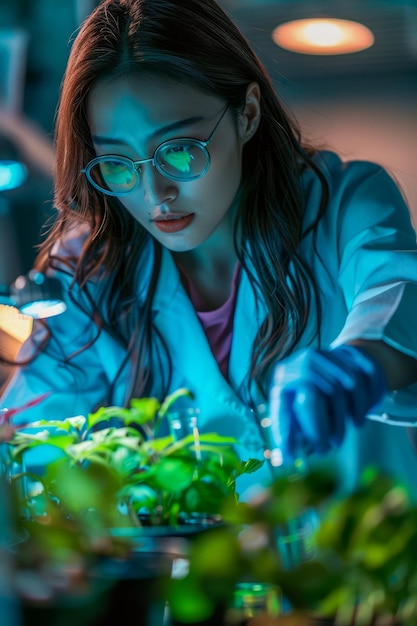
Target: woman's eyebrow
(165, 129)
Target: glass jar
(253, 600)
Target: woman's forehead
(146, 109)
(157, 99)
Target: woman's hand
(314, 393)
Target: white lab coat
(366, 268)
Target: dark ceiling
(50, 26)
(393, 22)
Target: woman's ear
(251, 114)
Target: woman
(202, 244)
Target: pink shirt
(218, 324)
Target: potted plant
(118, 493)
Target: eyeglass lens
(179, 161)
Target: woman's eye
(112, 167)
(179, 158)
(116, 174)
(116, 171)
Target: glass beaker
(184, 423)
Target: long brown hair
(195, 42)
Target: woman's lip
(174, 225)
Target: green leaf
(141, 411)
(217, 554)
(79, 422)
(250, 466)
(157, 445)
(62, 442)
(205, 497)
(188, 603)
(144, 409)
(105, 414)
(21, 437)
(173, 474)
(205, 443)
(173, 397)
(126, 461)
(214, 438)
(140, 497)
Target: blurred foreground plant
(364, 569)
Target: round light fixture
(323, 36)
(37, 295)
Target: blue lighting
(12, 175)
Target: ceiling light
(323, 36)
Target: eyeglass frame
(135, 164)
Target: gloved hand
(313, 394)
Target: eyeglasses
(181, 159)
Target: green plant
(363, 571)
(113, 474)
(125, 470)
(365, 545)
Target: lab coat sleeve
(377, 256)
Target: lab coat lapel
(175, 318)
(249, 315)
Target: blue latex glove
(314, 393)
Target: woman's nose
(157, 188)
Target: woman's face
(131, 117)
